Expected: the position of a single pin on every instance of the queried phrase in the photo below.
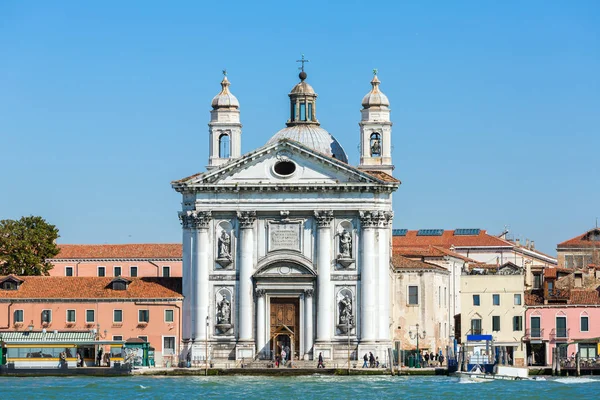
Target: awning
(54, 337)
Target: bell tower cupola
(303, 101)
(224, 127)
(376, 130)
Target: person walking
(283, 357)
(320, 364)
(365, 361)
(426, 357)
(371, 360)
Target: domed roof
(225, 99)
(375, 98)
(302, 88)
(314, 137)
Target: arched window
(224, 146)
(375, 144)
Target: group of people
(283, 357)
(370, 361)
(102, 359)
(432, 359)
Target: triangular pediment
(285, 163)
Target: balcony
(556, 295)
(534, 333)
(560, 334)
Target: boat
(501, 372)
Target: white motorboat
(502, 372)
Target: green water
(307, 387)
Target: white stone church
(287, 248)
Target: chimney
(532, 245)
(518, 242)
(526, 243)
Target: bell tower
(376, 131)
(224, 127)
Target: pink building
(564, 319)
(114, 309)
(111, 260)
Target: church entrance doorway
(285, 326)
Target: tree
(25, 246)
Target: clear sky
(495, 104)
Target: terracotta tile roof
(534, 298)
(552, 272)
(582, 240)
(584, 296)
(448, 239)
(429, 251)
(382, 176)
(72, 287)
(400, 262)
(116, 251)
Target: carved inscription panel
(285, 236)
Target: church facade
(287, 248)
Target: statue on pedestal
(225, 245)
(345, 244)
(224, 311)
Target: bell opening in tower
(224, 146)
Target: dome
(225, 99)
(314, 137)
(302, 88)
(375, 98)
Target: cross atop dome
(302, 74)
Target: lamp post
(417, 336)
(206, 349)
(348, 330)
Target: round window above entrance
(284, 168)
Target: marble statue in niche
(224, 245)
(345, 244)
(345, 313)
(345, 307)
(224, 311)
(224, 258)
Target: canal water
(305, 387)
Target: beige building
(420, 295)
(492, 303)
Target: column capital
(185, 218)
(260, 292)
(323, 218)
(308, 292)
(195, 219)
(246, 218)
(375, 219)
(388, 216)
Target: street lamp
(348, 331)
(206, 350)
(416, 335)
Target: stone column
(325, 312)
(383, 291)
(200, 265)
(186, 221)
(368, 276)
(260, 321)
(308, 322)
(246, 299)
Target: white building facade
(288, 247)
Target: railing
(560, 334)
(584, 363)
(534, 333)
(556, 294)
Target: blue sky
(495, 104)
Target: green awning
(47, 337)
